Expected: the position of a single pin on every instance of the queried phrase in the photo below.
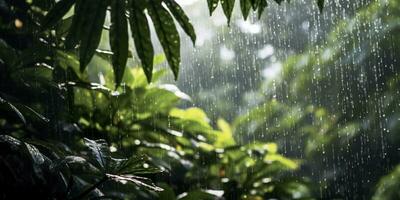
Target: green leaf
(245, 6)
(14, 109)
(8, 54)
(167, 34)
(99, 151)
(73, 37)
(212, 5)
(320, 4)
(56, 13)
(388, 186)
(119, 42)
(182, 19)
(168, 193)
(254, 4)
(262, 4)
(137, 165)
(227, 7)
(142, 38)
(91, 31)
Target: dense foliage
(77, 123)
(65, 134)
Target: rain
(327, 70)
(200, 100)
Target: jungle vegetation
(77, 122)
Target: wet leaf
(261, 6)
(78, 20)
(119, 39)
(182, 19)
(99, 150)
(227, 7)
(245, 6)
(91, 31)
(167, 34)
(13, 108)
(57, 13)
(212, 5)
(320, 4)
(142, 38)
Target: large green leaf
(182, 19)
(7, 53)
(245, 6)
(56, 13)
(91, 31)
(119, 39)
(227, 7)
(212, 5)
(78, 19)
(262, 4)
(320, 4)
(13, 108)
(167, 34)
(99, 151)
(142, 38)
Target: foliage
(66, 135)
(89, 17)
(387, 187)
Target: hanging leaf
(212, 5)
(167, 34)
(182, 19)
(320, 4)
(91, 31)
(142, 38)
(254, 4)
(262, 4)
(227, 7)
(245, 6)
(78, 19)
(56, 13)
(119, 42)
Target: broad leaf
(78, 20)
(182, 19)
(227, 7)
(99, 151)
(142, 38)
(91, 31)
(320, 4)
(119, 39)
(167, 34)
(14, 109)
(245, 6)
(137, 165)
(212, 5)
(56, 13)
(262, 4)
